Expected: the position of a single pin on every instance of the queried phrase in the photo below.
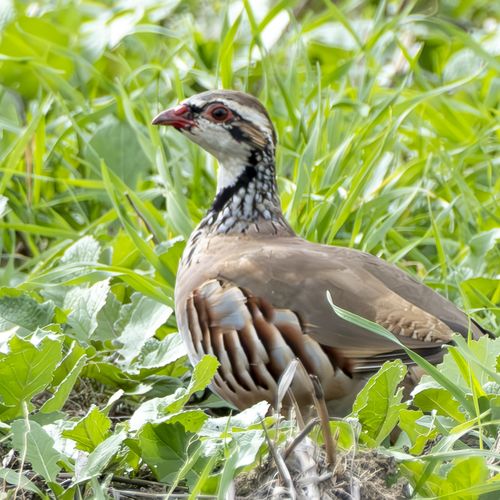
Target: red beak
(178, 117)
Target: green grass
(388, 124)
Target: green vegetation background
(387, 117)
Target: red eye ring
(220, 113)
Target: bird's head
(232, 126)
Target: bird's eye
(219, 113)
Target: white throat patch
(228, 172)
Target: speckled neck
(250, 201)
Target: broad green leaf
(138, 322)
(345, 432)
(110, 374)
(249, 417)
(203, 373)
(487, 490)
(16, 479)
(187, 471)
(166, 447)
(157, 353)
(90, 431)
(107, 319)
(378, 404)
(61, 393)
(46, 420)
(70, 359)
(485, 352)
(155, 410)
(78, 259)
(96, 463)
(216, 426)
(112, 400)
(85, 250)
(485, 241)
(159, 385)
(419, 435)
(246, 446)
(19, 309)
(201, 377)
(116, 143)
(125, 253)
(32, 441)
(191, 420)
(25, 371)
(84, 304)
(439, 399)
(467, 472)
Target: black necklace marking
(256, 157)
(228, 192)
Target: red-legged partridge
(254, 294)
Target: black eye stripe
(196, 109)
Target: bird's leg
(283, 471)
(302, 435)
(320, 404)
